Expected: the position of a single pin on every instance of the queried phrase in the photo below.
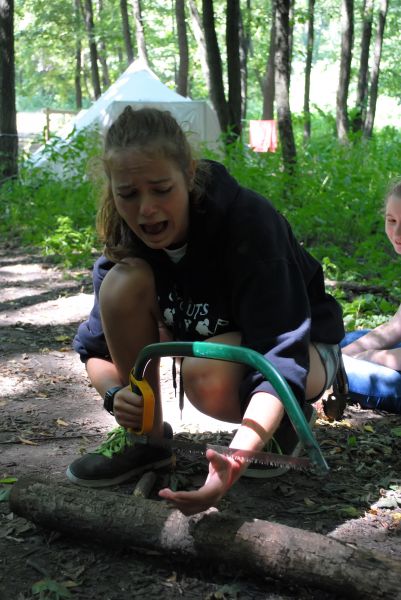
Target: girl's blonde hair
(394, 189)
(155, 133)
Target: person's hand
(223, 472)
(128, 409)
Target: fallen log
(252, 546)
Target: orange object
(141, 386)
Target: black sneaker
(118, 459)
(286, 442)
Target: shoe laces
(273, 446)
(115, 443)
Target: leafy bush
(333, 204)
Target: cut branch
(259, 547)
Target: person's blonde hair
(155, 133)
(394, 189)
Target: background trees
(241, 54)
(8, 126)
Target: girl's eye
(128, 196)
(164, 190)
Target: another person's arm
(377, 345)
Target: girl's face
(393, 222)
(151, 195)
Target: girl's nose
(147, 205)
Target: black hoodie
(243, 271)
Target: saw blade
(271, 459)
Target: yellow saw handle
(142, 388)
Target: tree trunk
(200, 39)
(258, 547)
(90, 28)
(233, 66)
(362, 89)
(8, 112)
(140, 33)
(347, 34)
(182, 78)
(103, 52)
(282, 85)
(374, 75)
(245, 42)
(78, 58)
(291, 21)
(268, 83)
(129, 50)
(217, 94)
(308, 68)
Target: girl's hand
(128, 409)
(223, 472)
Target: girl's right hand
(128, 409)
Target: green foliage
(55, 212)
(334, 205)
(49, 589)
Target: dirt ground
(50, 415)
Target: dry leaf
(62, 423)
(368, 428)
(29, 442)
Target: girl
(372, 359)
(188, 247)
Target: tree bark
(347, 35)
(129, 50)
(233, 17)
(268, 83)
(139, 31)
(90, 28)
(182, 77)
(217, 94)
(259, 547)
(308, 68)
(362, 89)
(200, 39)
(245, 43)
(374, 76)
(8, 112)
(291, 21)
(282, 85)
(78, 58)
(103, 52)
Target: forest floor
(50, 414)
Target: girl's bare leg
(130, 317)
(212, 385)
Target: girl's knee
(212, 387)
(126, 285)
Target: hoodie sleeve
(89, 340)
(270, 300)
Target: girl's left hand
(223, 472)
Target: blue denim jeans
(372, 386)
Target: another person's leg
(373, 386)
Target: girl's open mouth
(154, 228)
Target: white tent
(138, 86)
